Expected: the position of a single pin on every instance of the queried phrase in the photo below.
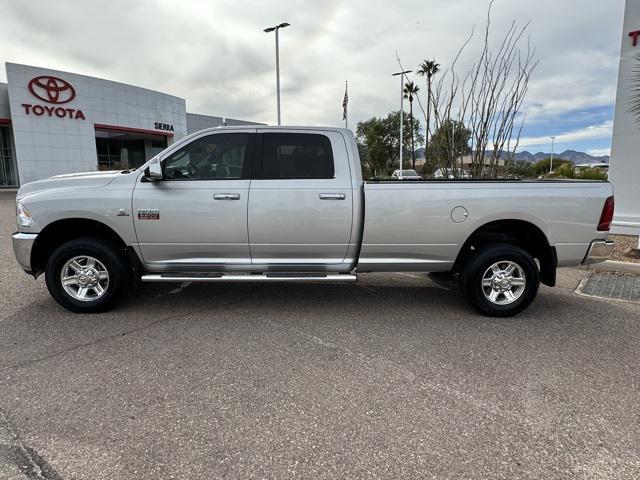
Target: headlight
(23, 217)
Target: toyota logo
(52, 89)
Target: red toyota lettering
(59, 112)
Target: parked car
(406, 175)
(448, 173)
(277, 204)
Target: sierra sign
(52, 90)
(167, 127)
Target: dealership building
(54, 122)
(624, 169)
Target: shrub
(591, 174)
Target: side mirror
(154, 170)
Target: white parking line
(371, 289)
(410, 275)
(182, 286)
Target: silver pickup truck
(276, 204)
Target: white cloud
(599, 152)
(592, 132)
(215, 54)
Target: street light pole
(278, 73)
(401, 74)
(553, 138)
(267, 30)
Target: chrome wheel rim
(503, 282)
(84, 278)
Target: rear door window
(296, 156)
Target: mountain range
(571, 155)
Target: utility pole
(271, 29)
(401, 74)
(553, 138)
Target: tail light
(604, 225)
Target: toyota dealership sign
(55, 91)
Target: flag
(345, 102)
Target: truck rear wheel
(500, 280)
(87, 275)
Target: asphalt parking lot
(392, 377)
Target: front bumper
(22, 246)
(599, 251)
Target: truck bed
(420, 225)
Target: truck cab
(246, 199)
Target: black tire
(109, 258)
(473, 272)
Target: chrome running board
(248, 277)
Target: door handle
(226, 196)
(332, 196)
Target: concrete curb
(613, 266)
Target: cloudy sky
(215, 54)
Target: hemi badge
(148, 214)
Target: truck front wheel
(87, 275)
(500, 280)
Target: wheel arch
(60, 231)
(522, 233)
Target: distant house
(598, 165)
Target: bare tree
(486, 99)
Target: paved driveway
(392, 377)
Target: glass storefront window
(8, 171)
(125, 151)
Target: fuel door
(459, 214)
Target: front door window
(214, 157)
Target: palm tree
(428, 68)
(410, 89)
